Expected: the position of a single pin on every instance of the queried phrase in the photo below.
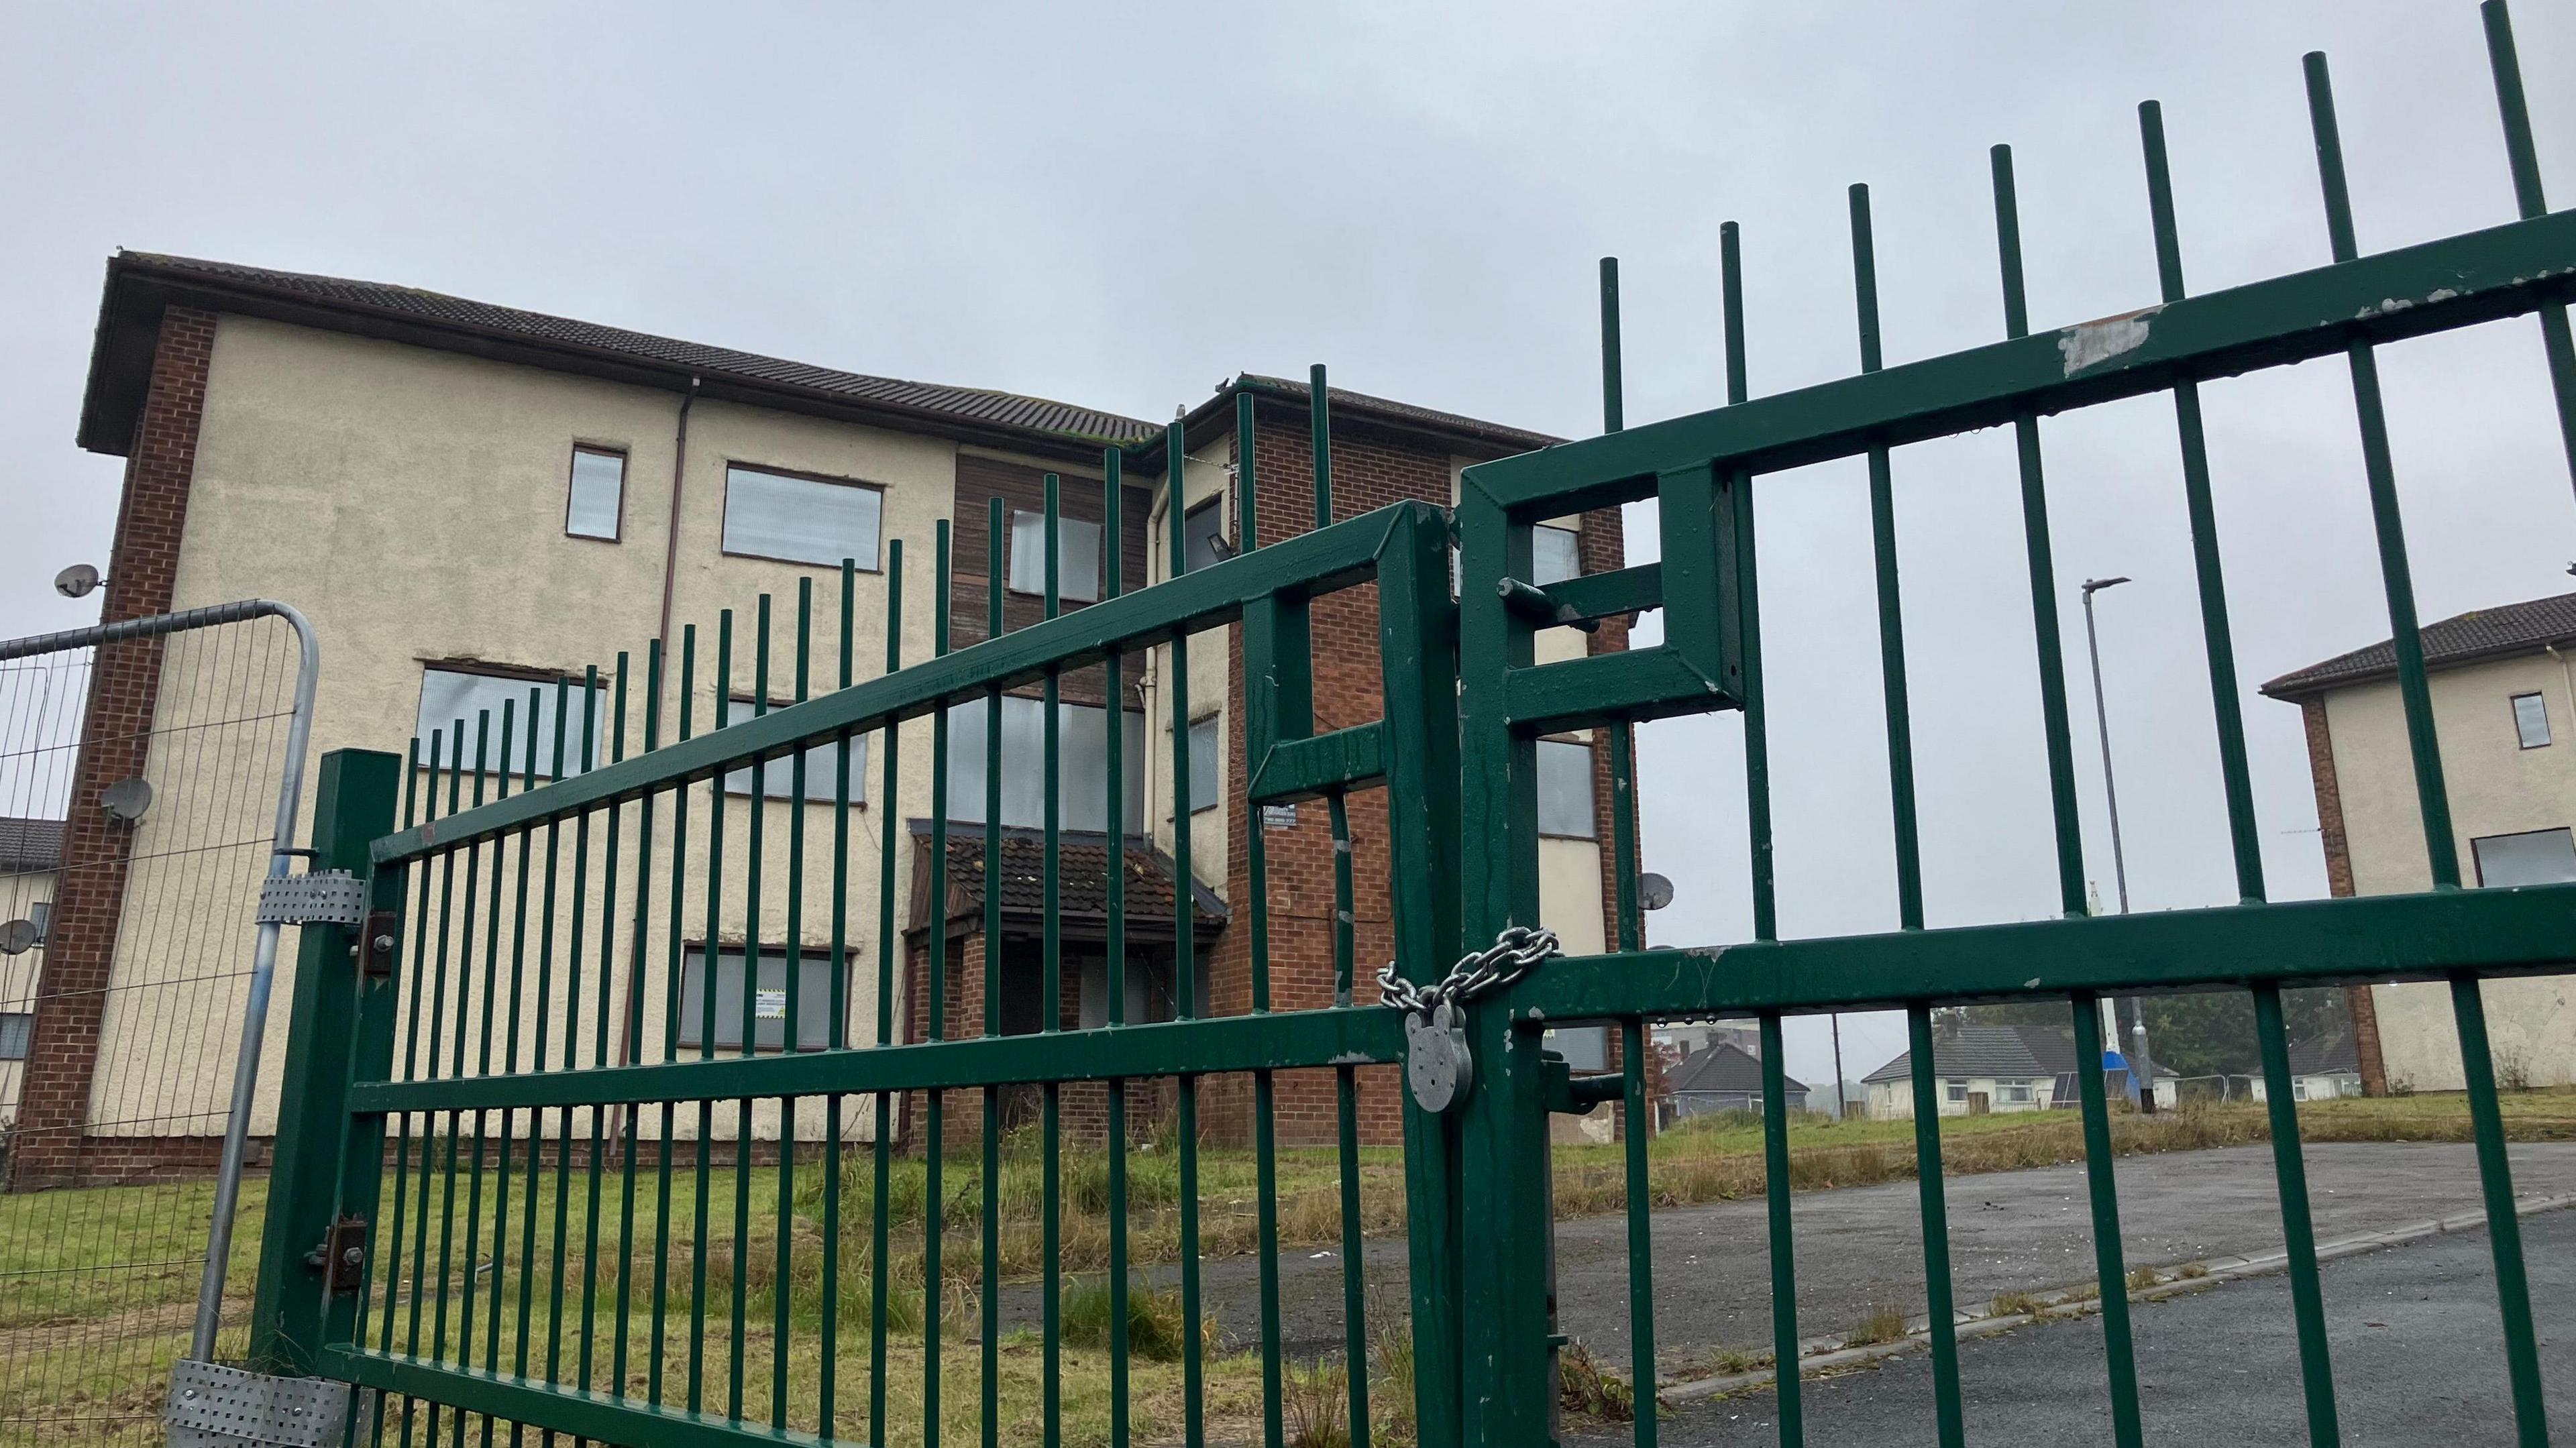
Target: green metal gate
(503, 1074)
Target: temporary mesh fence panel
(138, 790)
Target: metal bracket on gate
(214, 1406)
(318, 897)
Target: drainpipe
(619, 1119)
(671, 528)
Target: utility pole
(1838, 1065)
(2141, 1064)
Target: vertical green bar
(1265, 1131)
(2218, 643)
(2396, 577)
(1934, 1195)
(1319, 441)
(1641, 1231)
(340, 1027)
(673, 963)
(1623, 834)
(2524, 158)
(889, 748)
(1051, 1006)
(793, 1028)
(1891, 610)
(1613, 408)
(1346, 1122)
(1114, 927)
(1784, 1257)
(536, 1118)
(757, 807)
(934, 1139)
(2109, 1265)
(995, 956)
(2071, 890)
(707, 959)
(600, 1026)
(2298, 1234)
(1757, 729)
(2504, 1224)
(631, 1043)
(1184, 960)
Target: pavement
(1860, 1247)
(2412, 1333)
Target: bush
(1155, 1325)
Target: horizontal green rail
(2314, 942)
(2479, 276)
(1279, 1041)
(582, 1413)
(1313, 563)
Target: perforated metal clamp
(214, 1406)
(322, 897)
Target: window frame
(1955, 1092)
(1215, 721)
(524, 674)
(698, 950)
(1591, 792)
(2477, 858)
(2521, 735)
(1100, 564)
(779, 767)
(876, 564)
(572, 470)
(1576, 534)
(1213, 503)
(25, 1023)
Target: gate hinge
(375, 947)
(214, 1406)
(342, 1257)
(319, 897)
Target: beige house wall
(411, 503)
(2496, 787)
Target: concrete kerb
(1827, 1355)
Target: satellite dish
(17, 937)
(126, 800)
(1654, 891)
(77, 581)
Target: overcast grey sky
(1120, 208)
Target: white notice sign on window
(770, 1005)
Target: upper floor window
(2531, 719)
(1077, 557)
(1565, 789)
(1082, 764)
(468, 709)
(1207, 738)
(801, 518)
(2534, 857)
(777, 777)
(1203, 536)
(1556, 554)
(595, 505)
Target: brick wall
(51, 1146)
(2321, 772)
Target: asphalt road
(1860, 1246)
(2412, 1332)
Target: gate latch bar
(317, 897)
(215, 1406)
(342, 1257)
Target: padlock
(1437, 1067)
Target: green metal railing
(527, 1072)
(581, 1220)
(1702, 470)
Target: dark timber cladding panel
(1022, 489)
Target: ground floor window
(768, 999)
(1958, 1091)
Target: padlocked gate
(582, 1211)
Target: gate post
(339, 1027)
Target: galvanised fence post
(340, 1025)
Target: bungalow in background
(1721, 1077)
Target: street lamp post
(2141, 1065)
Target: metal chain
(1514, 953)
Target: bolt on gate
(586, 1211)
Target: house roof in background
(2010, 1052)
(2331, 1055)
(1724, 1067)
(1082, 879)
(141, 284)
(2481, 633)
(30, 845)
